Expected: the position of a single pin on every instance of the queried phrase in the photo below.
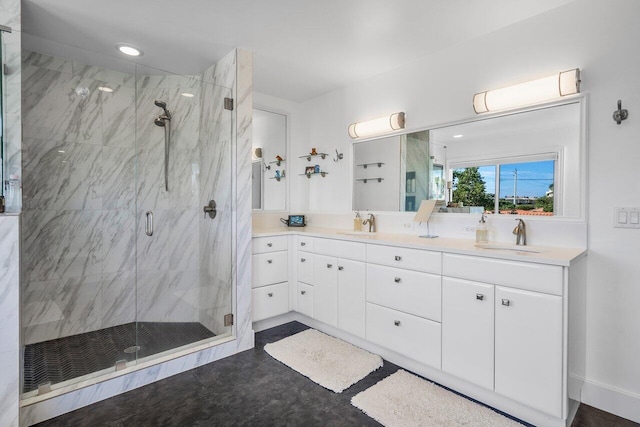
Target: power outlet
(469, 228)
(408, 225)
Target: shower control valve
(210, 209)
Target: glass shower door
(184, 253)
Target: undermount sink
(507, 247)
(358, 233)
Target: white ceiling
(302, 48)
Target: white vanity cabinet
(467, 330)
(520, 329)
(269, 280)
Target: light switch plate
(627, 217)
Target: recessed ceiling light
(188, 95)
(128, 49)
(458, 136)
(105, 89)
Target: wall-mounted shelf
(364, 180)
(278, 162)
(364, 165)
(308, 175)
(309, 156)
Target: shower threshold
(74, 356)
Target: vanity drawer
(269, 268)
(405, 334)
(340, 249)
(412, 259)
(305, 267)
(269, 301)
(410, 291)
(305, 243)
(305, 299)
(269, 244)
(523, 275)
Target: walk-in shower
(98, 293)
(164, 121)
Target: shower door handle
(148, 229)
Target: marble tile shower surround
(82, 199)
(241, 236)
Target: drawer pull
(398, 258)
(269, 245)
(303, 244)
(303, 259)
(396, 322)
(303, 292)
(397, 280)
(270, 294)
(480, 297)
(270, 261)
(329, 265)
(340, 268)
(506, 302)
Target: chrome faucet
(372, 223)
(521, 233)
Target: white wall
(594, 35)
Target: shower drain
(132, 349)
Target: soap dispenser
(357, 222)
(482, 232)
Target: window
(523, 185)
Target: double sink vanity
(501, 324)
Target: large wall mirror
(526, 163)
(269, 161)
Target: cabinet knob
(340, 268)
(398, 258)
(329, 265)
(269, 261)
(303, 292)
(303, 244)
(396, 322)
(397, 280)
(270, 294)
(480, 297)
(269, 245)
(506, 302)
(303, 259)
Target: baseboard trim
(610, 399)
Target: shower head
(163, 105)
(160, 121)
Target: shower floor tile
(70, 357)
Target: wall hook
(619, 115)
(339, 156)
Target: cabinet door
(351, 296)
(528, 349)
(467, 330)
(305, 299)
(325, 289)
(305, 267)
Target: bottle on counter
(357, 222)
(482, 231)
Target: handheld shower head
(163, 105)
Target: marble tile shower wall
(82, 199)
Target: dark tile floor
(250, 389)
(77, 355)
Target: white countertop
(508, 251)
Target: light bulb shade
(377, 126)
(532, 92)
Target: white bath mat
(403, 399)
(325, 360)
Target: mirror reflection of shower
(164, 120)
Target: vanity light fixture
(128, 49)
(377, 126)
(105, 89)
(531, 92)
